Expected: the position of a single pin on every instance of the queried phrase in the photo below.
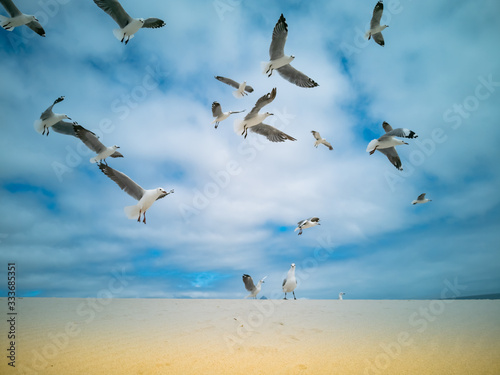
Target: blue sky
(236, 201)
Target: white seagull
(421, 199)
(375, 28)
(249, 285)
(17, 18)
(281, 62)
(241, 88)
(307, 223)
(48, 119)
(219, 115)
(254, 117)
(92, 141)
(145, 197)
(320, 140)
(385, 144)
(340, 295)
(290, 283)
(128, 25)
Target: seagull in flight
(17, 18)
(307, 223)
(280, 61)
(254, 117)
(385, 144)
(249, 285)
(146, 198)
(92, 141)
(128, 25)
(421, 199)
(219, 115)
(48, 119)
(320, 140)
(290, 282)
(375, 28)
(241, 88)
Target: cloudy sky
(237, 201)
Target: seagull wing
(314, 219)
(116, 154)
(216, 109)
(386, 127)
(421, 197)
(230, 82)
(271, 133)
(89, 139)
(379, 39)
(64, 127)
(377, 15)
(392, 155)
(248, 88)
(280, 33)
(316, 135)
(263, 100)
(295, 76)
(11, 8)
(249, 285)
(48, 112)
(123, 181)
(302, 222)
(36, 27)
(402, 133)
(153, 23)
(327, 144)
(115, 10)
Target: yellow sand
(154, 336)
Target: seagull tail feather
(265, 65)
(119, 34)
(5, 20)
(368, 34)
(38, 125)
(239, 126)
(93, 160)
(132, 212)
(371, 145)
(238, 94)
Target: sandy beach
(169, 336)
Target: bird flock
(253, 120)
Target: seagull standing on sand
(375, 28)
(249, 285)
(219, 115)
(290, 283)
(340, 295)
(241, 88)
(92, 141)
(421, 199)
(128, 25)
(307, 223)
(320, 140)
(281, 62)
(49, 119)
(145, 197)
(385, 144)
(17, 18)
(254, 117)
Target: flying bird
(271, 133)
(241, 88)
(48, 119)
(145, 197)
(421, 199)
(92, 141)
(340, 295)
(249, 285)
(17, 18)
(128, 25)
(280, 62)
(320, 140)
(385, 144)
(254, 117)
(290, 282)
(219, 115)
(375, 28)
(307, 223)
